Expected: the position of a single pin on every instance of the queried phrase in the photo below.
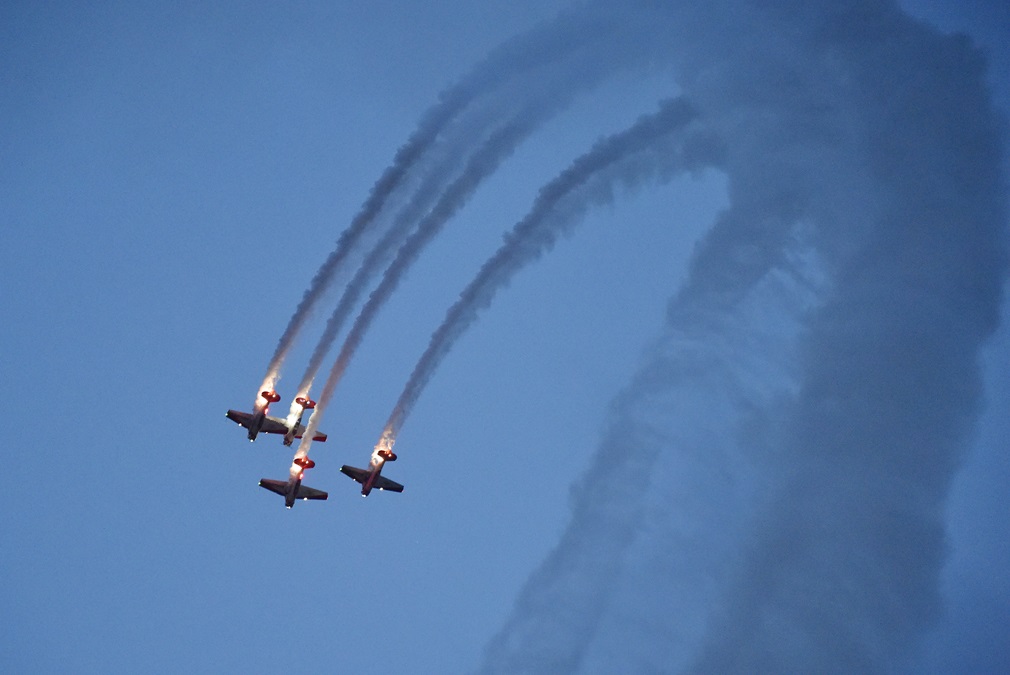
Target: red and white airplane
(258, 421)
(292, 488)
(372, 476)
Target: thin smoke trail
(534, 103)
(534, 99)
(481, 164)
(375, 260)
(529, 239)
(405, 158)
(546, 69)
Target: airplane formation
(259, 421)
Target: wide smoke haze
(805, 534)
(690, 316)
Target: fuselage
(289, 496)
(289, 437)
(256, 423)
(367, 486)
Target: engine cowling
(388, 455)
(271, 396)
(305, 462)
(305, 403)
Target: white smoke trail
(536, 233)
(532, 98)
(426, 192)
(570, 33)
(590, 50)
(406, 156)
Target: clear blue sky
(171, 178)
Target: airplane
(292, 488)
(297, 428)
(372, 476)
(259, 421)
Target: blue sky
(172, 178)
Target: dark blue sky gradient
(171, 179)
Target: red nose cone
(271, 396)
(306, 403)
(305, 462)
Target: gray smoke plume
(768, 495)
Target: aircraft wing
(274, 425)
(278, 486)
(271, 425)
(360, 475)
(310, 493)
(245, 419)
(383, 483)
